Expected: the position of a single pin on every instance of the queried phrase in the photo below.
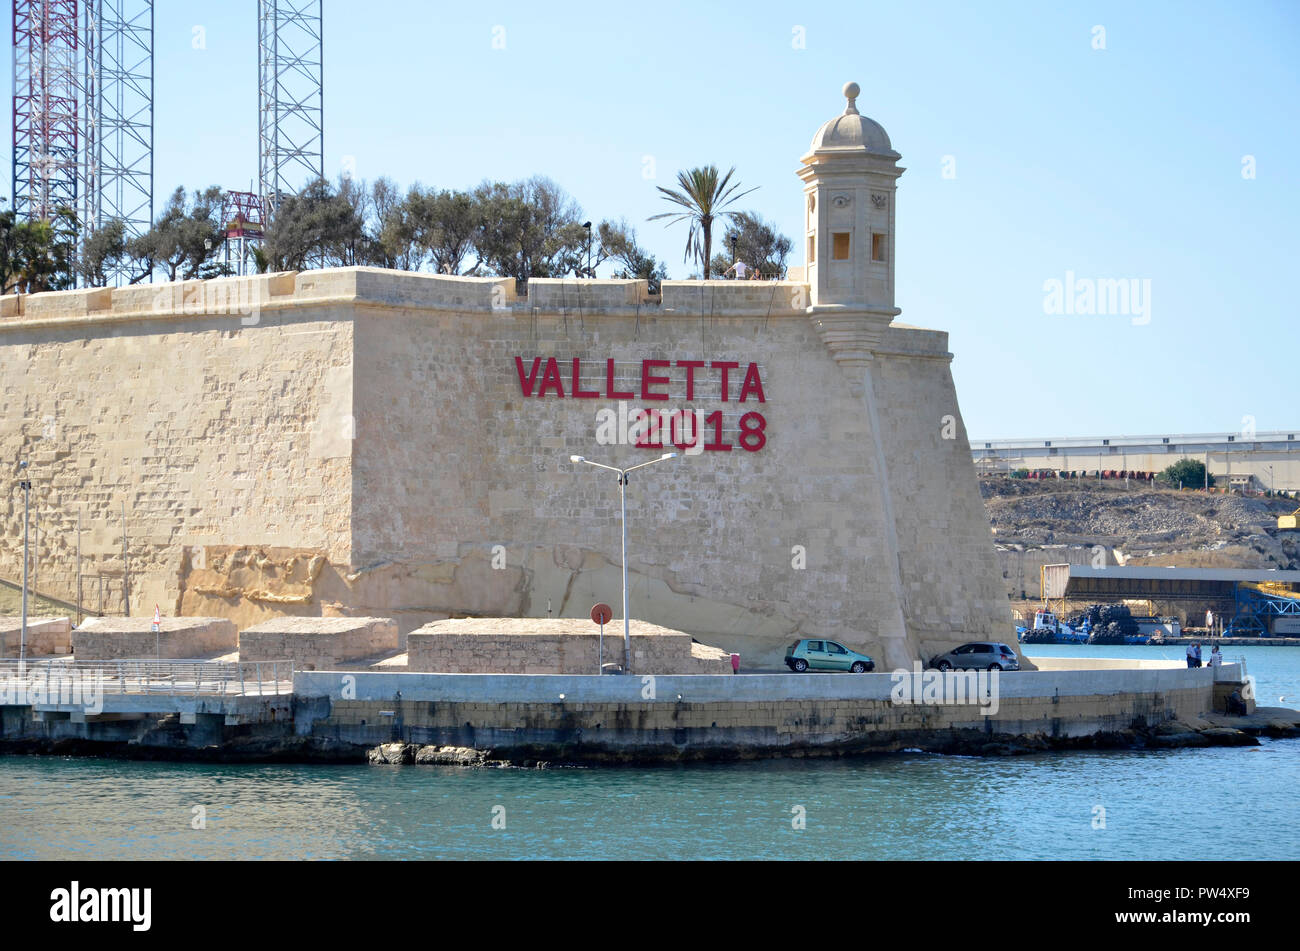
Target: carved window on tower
(812, 249)
(879, 247)
(840, 246)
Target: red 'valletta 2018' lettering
(652, 382)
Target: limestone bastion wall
(206, 409)
(366, 442)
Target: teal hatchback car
(809, 654)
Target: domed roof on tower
(852, 131)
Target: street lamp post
(622, 498)
(26, 486)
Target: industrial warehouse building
(1249, 602)
(1245, 460)
(384, 444)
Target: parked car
(821, 654)
(982, 655)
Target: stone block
(317, 643)
(554, 646)
(115, 638)
(45, 635)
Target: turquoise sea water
(1240, 803)
(1276, 669)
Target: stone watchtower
(850, 177)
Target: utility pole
(622, 498)
(78, 567)
(126, 567)
(26, 486)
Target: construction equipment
(1288, 521)
(1263, 609)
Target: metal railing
(160, 677)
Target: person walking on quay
(1191, 655)
(1216, 658)
(1198, 655)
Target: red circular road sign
(601, 613)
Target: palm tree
(705, 199)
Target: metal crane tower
(83, 111)
(290, 97)
(47, 124)
(119, 115)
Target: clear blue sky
(1117, 163)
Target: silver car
(981, 655)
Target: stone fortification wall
(469, 494)
(203, 412)
(364, 442)
(950, 581)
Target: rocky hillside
(1144, 525)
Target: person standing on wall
(1191, 655)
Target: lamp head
(577, 459)
(669, 455)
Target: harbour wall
(579, 717)
(341, 715)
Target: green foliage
(618, 242)
(1190, 473)
(38, 255)
(186, 238)
(529, 229)
(757, 244)
(704, 196)
(320, 226)
(101, 251)
(524, 229)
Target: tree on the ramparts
(186, 239)
(705, 196)
(618, 242)
(44, 253)
(320, 227)
(392, 237)
(757, 243)
(102, 250)
(443, 226)
(528, 229)
(9, 237)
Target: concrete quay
(477, 719)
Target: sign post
(600, 614)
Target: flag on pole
(157, 620)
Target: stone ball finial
(851, 93)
